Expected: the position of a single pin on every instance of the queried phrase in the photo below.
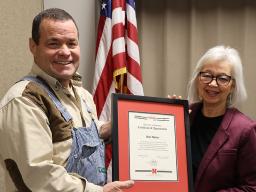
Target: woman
(223, 140)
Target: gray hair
(221, 53)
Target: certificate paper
(152, 145)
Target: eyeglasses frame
(215, 78)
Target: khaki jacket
(35, 141)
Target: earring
(229, 99)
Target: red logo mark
(154, 171)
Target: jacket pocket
(226, 164)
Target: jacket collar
(54, 83)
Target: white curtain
(173, 34)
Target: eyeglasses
(221, 80)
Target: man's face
(58, 51)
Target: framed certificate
(151, 143)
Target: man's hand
(105, 131)
(117, 186)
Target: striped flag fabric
(117, 65)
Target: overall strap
(89, 110)
(65, 114)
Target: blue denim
(87, 157)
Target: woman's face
(214, 84)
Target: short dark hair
(52, 14)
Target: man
(49, 131)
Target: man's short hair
(52, 14)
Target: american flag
(117, 67)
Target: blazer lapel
(217, 142)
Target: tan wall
(15, 29)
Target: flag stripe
(118, 4)
(118, 31)
(131, 15)
(118, 46)
(133, 68)
(134, 85)
(100, 31)
(133, 51)
(117, 63)
(104, 84)
(102, 54)
(107, 105)
(118, 16)
(132, 33)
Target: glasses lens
(205, 77)
(223, 79)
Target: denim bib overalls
(87, 157)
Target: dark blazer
(229, 164)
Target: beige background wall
(15, 29)
(173, 35)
